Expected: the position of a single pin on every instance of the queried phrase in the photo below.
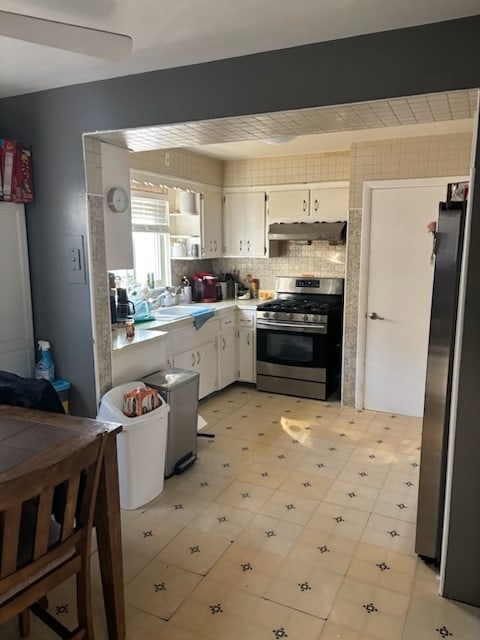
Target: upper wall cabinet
(244, 224)
(117, 213)
(211, 224)
(328, 203)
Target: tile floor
(297, 521)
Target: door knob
(374, 316)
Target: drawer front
(190, 338)
(245, 318)
(227, 323)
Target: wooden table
(29, 439)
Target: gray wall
(394, 63)
(437, 57)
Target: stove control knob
(266, 314)
(315, 318)
(275, 315)
(305, 317)
(290, 316)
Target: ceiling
(169, 34)
(417, 115)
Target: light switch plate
(75, 260)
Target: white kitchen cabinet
(328, 203)
(288, 204)
(227, 353)
(211, 242)
(197, 351)
(227, 365)
(201, 359)
(244, 224)
(246, 345)
(246, 355)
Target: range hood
(332, 232)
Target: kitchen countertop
(155, 329)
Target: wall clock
(118, 199)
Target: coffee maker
(125, 307)
(204, 287)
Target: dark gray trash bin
(179, 388)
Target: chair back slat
(42, 531)
(11, 534)
(37, 490)
(70, 507)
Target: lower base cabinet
(201, 359)
(246, 355)
(227, 365)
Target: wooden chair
(37, 553)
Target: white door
(16, 338)
(400, 281)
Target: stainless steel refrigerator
(448, 245)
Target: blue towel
(201, 316)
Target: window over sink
(151, 239)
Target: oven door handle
(300, 328)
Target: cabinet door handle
(304, 205)
(193, 359)
(198, 357)
(203, 250)
(316, 205)
(224, 344)
(241, 245)
(211, 244)
(215, 245)
(248, 339)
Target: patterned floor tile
(367, 609)
(160, 589)
(246, 567)
(304, 587)
(275, 479)
(194, 550)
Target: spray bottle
(45, 367)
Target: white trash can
(141, 447)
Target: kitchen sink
(178, 311)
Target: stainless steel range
(299, 338)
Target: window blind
(149, 212)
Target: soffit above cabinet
(379, 114)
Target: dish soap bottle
(45, 367)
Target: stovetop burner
(296, 306)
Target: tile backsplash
(319, 258)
